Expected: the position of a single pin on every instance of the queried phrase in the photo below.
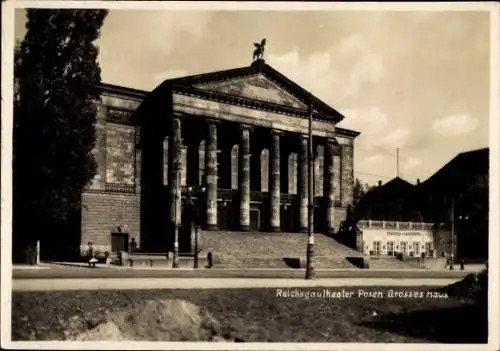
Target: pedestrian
(91, 255)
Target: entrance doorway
(119, 242)
(254, 219)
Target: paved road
(208, 283)
(80, 272)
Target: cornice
(248, 103)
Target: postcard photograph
(263, 176)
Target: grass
(258, 315)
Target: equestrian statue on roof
(258, 53)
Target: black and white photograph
(236, 175)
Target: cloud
(337, 73)
(168, 74)
(368, 120)
(396, 138)
(411, 163)
(366, 65)
(455, 125)
(369, 162)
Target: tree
(359, 191)
(57, 78)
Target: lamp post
(195, 212)
(310, 201)
(462, 218)
(175, 260)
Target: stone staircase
(274, 250)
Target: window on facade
(264, 170)
(416, 248)
(292, 173)
(428, 248)
(390, 248)
(404, 247)
(201, 162)
(234, 167)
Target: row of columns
(175, 145)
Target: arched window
(264, 170)
(292, 173)
(201, 162)
(234, 167)
(319, 171)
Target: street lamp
(310, 202)
(195, 217)
(175, 260)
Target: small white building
(387, 238)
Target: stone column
(331, 151)
(211, 175)
(303, 183)
(275, 186)
(244, 178)
(174, 183)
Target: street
(210, 283)
(55, 271)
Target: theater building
(239, 134)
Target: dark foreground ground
(258, 315)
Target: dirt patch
(163, 320)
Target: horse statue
(258, 53)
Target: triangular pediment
(257, 87)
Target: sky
(417, 81)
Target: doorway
(119, 242)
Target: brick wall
(120, 154)
(103, 212)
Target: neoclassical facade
(240, 134)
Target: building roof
(459, 169)
(322, 110)
(396, 187)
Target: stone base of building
(212, 227)
(331, 231)
(111, 220)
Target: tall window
(404, 248)
(428, 248)
(390, 248)
(264, 170)
(416, 248)
(292, 173)
(234, 167)
(201, 162)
